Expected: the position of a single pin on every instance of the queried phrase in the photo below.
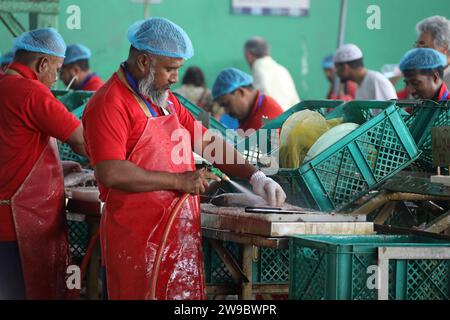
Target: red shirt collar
(25, 71)
(442, 91)
(254, 110)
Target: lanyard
(134, 86)
(260, 100)
(85, 81)
(445, 96)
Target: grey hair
(439, 28)
(257, 47)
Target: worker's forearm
(76, 141)
(235, 165)
(79, 149)
(126, 176)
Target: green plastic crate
(65, 151)
(336, 268)
(73, 99)
(272, 265)
(78, 238)
(361, 111)
(424, 117)
(266, 139)
(230, 135)
(361, 161)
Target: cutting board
(279, 225)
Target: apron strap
(141, 103)
(12, 72)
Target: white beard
(157, 97)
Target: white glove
(268, 189)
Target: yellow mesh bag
(299, 132)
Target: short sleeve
(49, 116)
(106, 130)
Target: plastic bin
(73, 99)
(78, 236)
(338, 268)
(230, 135)
(361, 161)
(266, 139)
(65, 151)
(426, 115)
(272, 265)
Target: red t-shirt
(404, 94)
(113, 122)
(93, 84)
(29, 115)
(349, 94)
(267, 108)
(443, 93)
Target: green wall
(299, 43)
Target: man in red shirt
(33, 235)
(5, 60)
(423, 69)
(234, 91)
(76, 71)
(139, 139)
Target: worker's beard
(156, 96)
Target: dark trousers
(12, 285)
(104, 286)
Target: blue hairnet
(327, 62)
(7, 58)
(161, 37)
(229, 80)
(422, 58)
(76, 52)
(47, 41)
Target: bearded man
(151, 237)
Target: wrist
(176, 181)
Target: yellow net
(299, 133)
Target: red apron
(133, 225)
(38, 211)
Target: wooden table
(242, 273)
(254, 231)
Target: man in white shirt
(434, 33)
(348, 60)
(270, 78)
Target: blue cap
(229, 80)
(327, 62)
(7, 58)
(76, 52)
(47, 41)
(161, 37)
(422, 58)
